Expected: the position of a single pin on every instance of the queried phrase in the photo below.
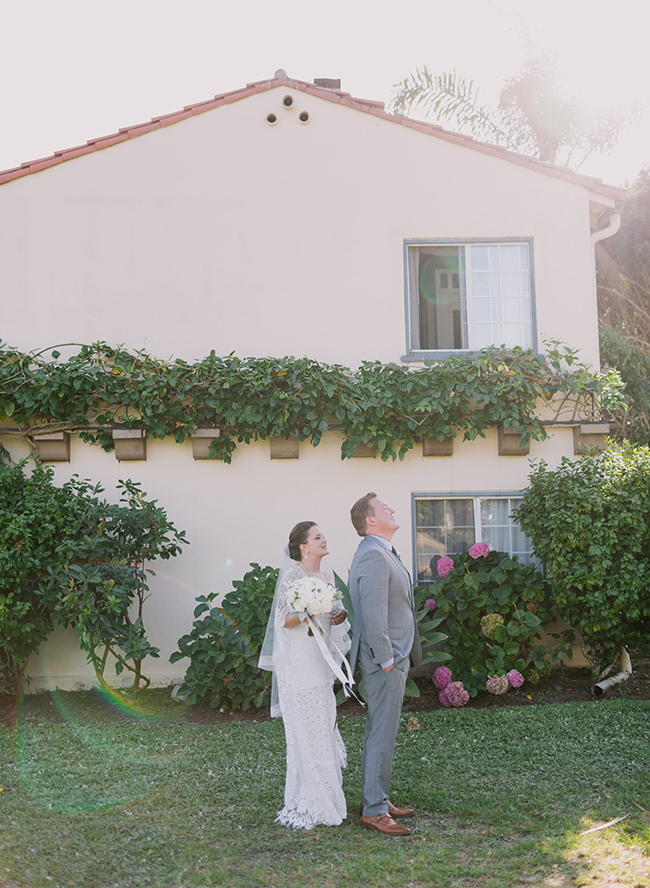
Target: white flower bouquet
(312, 595)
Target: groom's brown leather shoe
(384, 823)
(394, 811)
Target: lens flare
(93, 750)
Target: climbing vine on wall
(390, 406)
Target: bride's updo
(298, 537)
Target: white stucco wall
(242, 513)
(223, 232)
(220, 232)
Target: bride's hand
(339, 616)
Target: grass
(502, 797)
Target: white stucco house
(289, 218)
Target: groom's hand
(339, 616)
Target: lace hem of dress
(304, 819)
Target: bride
(302, 689)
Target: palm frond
(452, 99)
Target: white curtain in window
(414, 296)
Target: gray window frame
(446, 495)
(417, 354)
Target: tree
(534, 116)
(629, 419)
(69, 558)
(630, 246)
(623, 264)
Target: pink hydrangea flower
(430, 604)
(445, 566)
(442, 677)
(515, 678)
(443, 699)
(479, 550)
(456, 693)
(498, 684)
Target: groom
(385, 639)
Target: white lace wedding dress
(315, 750)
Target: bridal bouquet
(312, 595)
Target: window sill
(443, 355)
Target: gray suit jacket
(382, 599)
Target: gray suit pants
(384, 696)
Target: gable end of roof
(338, 96)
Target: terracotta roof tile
(367, 106)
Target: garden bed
(566, 686)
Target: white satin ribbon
(346, 678)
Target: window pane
(497, 538)
(510, 309)
(454, 532)
(505, 268)
(460, 513)
(500, 531)
(480, 259)
(437, 300)
(495, 511)
(484, 336)
(495, 284)
(482, 313)
(429, 513)
(510, 257)
(481, 284)
(510, 283)
(511, 334)
(460, 540)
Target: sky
(73, 70)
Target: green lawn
(502, 796)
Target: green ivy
(589, 521)
(389, 406)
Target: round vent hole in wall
(287, 101)
(303, 117)
(271, 119)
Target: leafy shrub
(32, 517)
(249, 604)
(476, 589)
(69, 558)
(224, 644)
(103, 575)
(589, 521)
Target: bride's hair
(297, 537)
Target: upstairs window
(469, 296)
